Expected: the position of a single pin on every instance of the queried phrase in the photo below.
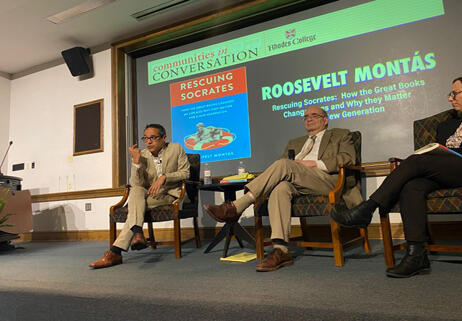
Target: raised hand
(135, 153)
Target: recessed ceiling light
(163, 5)
(77, 10)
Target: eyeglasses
(150, 138)
(313, 116)
(454, 93)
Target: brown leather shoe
(225, 212)
(108, 259)
(138, 242)
(275, 260)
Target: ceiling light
(77, 10)
(148, 13)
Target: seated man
(410, 183)
(314, 171)
(156, 176)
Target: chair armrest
(394, 162)
(189, 182)
(354, 167)
(336, 192)
(122, 202)
(177, 202)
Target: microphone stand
(3, 160)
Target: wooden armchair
(171, 212)
(304, 206)
(443, 201)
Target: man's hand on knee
(156, 186)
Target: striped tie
(308, 149)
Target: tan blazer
(336, 148)
(175, 166)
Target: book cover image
(210, 115)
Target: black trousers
(411, 182)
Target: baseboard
(206, 233)
(439, 230)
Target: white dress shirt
(314, 153)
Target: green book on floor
(241, 257)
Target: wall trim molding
(206, 233)
(86, 194)
(441, 230)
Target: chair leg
(259, 238)
(152, 238)
(304, 227)
(387, 241)
(365, 236)
(197, 236)
(177, 237)
(336, 243)
(112, 233)
(430, 237)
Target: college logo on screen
(290, 34)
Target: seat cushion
(445, 201)
(308, 205)
(157, 214)
(315, 205)
(442, 201)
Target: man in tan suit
(314, 171)
(156, 176)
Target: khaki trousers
(138, 200)
(282, 180)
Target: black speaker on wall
(77, 60)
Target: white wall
(5, 85)
(41, 126)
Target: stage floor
(52, 281)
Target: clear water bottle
(241, 168)
(207, 174)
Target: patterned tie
(456, 139)
(308, 149)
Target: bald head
(316, 120)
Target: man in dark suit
(410, 183)
(314, 171)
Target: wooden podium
(18, 203)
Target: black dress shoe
(359, 216)
(414, 262)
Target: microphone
(11, 143)
(291, 154)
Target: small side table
(230, 228)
